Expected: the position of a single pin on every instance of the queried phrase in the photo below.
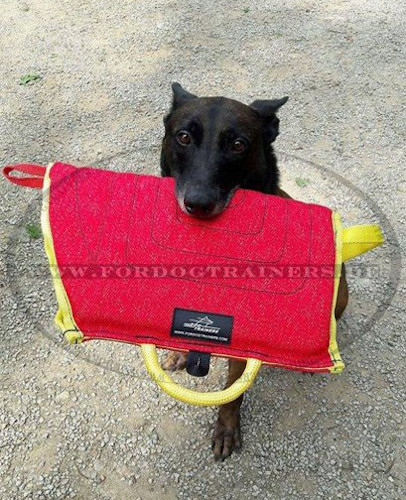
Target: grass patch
(246, 10)
(302, 182)
(33, 231)
(30, 78)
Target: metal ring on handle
(193, 397)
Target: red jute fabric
(128, 257)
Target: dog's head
(213, 145)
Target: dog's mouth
(204, 210)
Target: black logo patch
(198, 325)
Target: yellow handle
(193, 397)
(360, 239)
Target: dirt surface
(88, 82)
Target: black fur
(208, 168)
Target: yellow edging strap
(64, 317)
(338, 365)
(360, 239)
(193, 397)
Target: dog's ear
(267, 109)
(180, 95)
(270, 106)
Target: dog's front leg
(227, 435)
(174, 361)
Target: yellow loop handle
(360, 239)
(193, 397)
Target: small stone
(402, 186)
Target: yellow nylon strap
(194, 397)
(360, 239)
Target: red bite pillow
(258, 281)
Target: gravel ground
(85, 422)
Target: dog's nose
(199, 206)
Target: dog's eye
(239, 146)
(183, 138)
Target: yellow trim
(338, 365)
(218, 398)
(350, 242)
(64, 316)
(360, 239)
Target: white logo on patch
(203, 321)
(202, 324)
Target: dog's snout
(199, 204)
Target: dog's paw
(175, 361)
(226, 438)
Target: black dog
(212, 146)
